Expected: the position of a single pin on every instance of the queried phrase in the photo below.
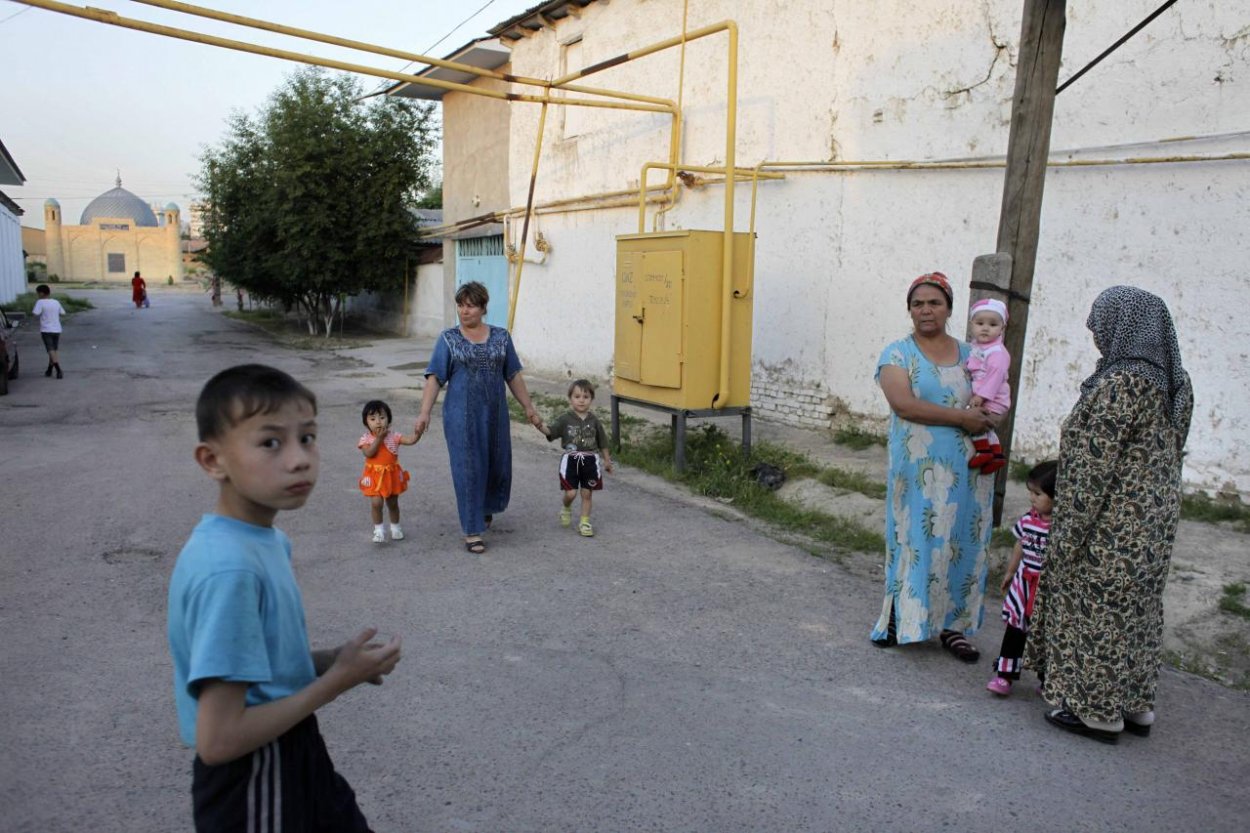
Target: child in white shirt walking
(49, 311)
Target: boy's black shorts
(580, 470)
(286, 786)
(51, 341)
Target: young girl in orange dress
(383, 479)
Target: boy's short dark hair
(375, 406)
(240, 392)
(583, 384)
(1043, 476)
(473, 293)
(42, 289)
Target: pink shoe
(999, 685)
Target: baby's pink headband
(992, 305)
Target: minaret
(173, 241)
(52, 239)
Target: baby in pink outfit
(988, 365)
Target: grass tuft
(293, 334)
(1003, 537)
(26, 302)
(858, 439)
(1199, 507)
(1018, 470)
(1233, 600)
(851, 480)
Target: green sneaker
(566, 516)
(585, 528)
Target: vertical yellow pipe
(675, 136)
(529, 207)
(727, 249)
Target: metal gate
(482, 259)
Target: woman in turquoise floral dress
(938, 511)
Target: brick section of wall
(791, 402)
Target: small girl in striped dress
(383, 479)
(1019, 586)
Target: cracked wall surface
(895, 80)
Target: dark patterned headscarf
(933, 279)
(1133, 330)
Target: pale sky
(80, 100)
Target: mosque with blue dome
(118, 234)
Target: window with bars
(117, 262)
(480, 246)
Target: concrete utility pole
(1008, 274)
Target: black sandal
(476, 547)
(891, 633)
(959, 646)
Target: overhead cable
(1113, 47)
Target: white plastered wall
(909, 80)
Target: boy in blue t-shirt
(246, 682)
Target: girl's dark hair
(375, 406)
(584, 384)
(1043, 476)
(473, 293)
(240, 392)
(42, 289)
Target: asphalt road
(678, 672)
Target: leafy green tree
(308, 199)
(432, 198)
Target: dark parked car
(9, 322)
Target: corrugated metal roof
(10, 173)
(482, 53)
(534, 19)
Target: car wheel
(14, 367)
(4, 377)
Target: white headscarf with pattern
(1133, 330)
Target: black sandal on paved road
(1069, 722)
(891, 634)
(962, 649)
(476, 547)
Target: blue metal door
(482, 259)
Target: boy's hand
(1006, 583)
(976, 401)
(608, 467)
(360, 660)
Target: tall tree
(309, 198)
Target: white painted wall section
(895, 80)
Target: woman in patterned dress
(475, 362)
(938, 512)
(1098, 628)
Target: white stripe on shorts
(266, 779)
